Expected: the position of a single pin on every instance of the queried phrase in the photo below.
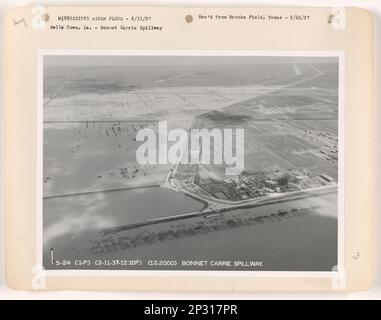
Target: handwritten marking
(356, 256)
(17, 22)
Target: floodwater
(83, 155)
(296, 243)
(305, 243)
(78, 218)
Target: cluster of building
(329, 150)
(246, 187)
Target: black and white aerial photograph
(191, 163)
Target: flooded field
(82, 217)
(271, 234)
(94, 186)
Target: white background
(373, 293)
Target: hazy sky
(92, 60)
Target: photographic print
(190, 162)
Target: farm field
(287, 108)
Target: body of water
(295, 243)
